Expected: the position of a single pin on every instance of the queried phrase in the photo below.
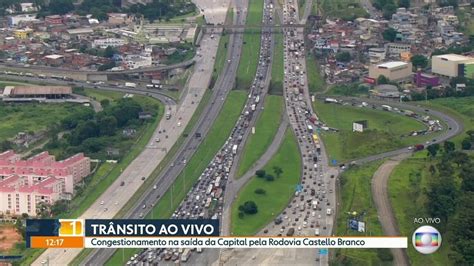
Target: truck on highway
(168, 115)
(257, 99)
(186, 254)
(234, 149)
(330, 100)
(130, 84)
(310, 129)
(290, 232)
(316, 232)
(419, 147)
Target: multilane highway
(223, 85)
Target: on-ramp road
(384, 208)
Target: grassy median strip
(356, 196)
(315, 81)
(277, 192)
(384, 133)
(265, 130)
(276, 82)
(222, 49)
(214, 140)
(250, 48)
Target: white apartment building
(104, 43)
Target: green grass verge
(384, 134)
(33, 117)
(315, 81)
(278, 192)
(356, 196)
(406, 188)
(343, 9)
(460, 108)
(250, 48)
(215, 138)
(266, 127)
(276, 82)
(221, 54)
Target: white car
(102, 203)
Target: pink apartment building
(26, 183)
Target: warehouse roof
(37, 90)
(392, 64)
(454, 57)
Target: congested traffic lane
(206, 197)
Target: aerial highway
(168, 130)
(222, 87)
(211, 185)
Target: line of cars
(205, 199)
(308, 211)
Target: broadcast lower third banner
(176, 234)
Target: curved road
(384, 207)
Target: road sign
(299, 188)
(323, 251)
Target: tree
(6, 145)
(419, 61)
(59, 207)
(60, 7)
(93, 145)
(260, 191)
(269, 177)
(105, 102)
(467, 175)
(278, 171)
(109, 52)
(449, 146)
(404, 3)
(107, 125)
(388, 10)
(459, 158)
(462, 229)
(433, 149)
(249, 207)
(260, 173)
(466, 144)
(390, 34)
(343, 57)
(382, 79)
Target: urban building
(395, 71)
(423, 79)
(377, 55)
(385, 92)
(452, 65)
(137, 61)
(36, 92)
(395, 49)
(54, 20)
(18, 19)
(103, 43)
(26, 183)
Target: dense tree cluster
(453, 201)
(156, 10)
(163, 9)
(91, 132)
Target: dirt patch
(9, 236)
